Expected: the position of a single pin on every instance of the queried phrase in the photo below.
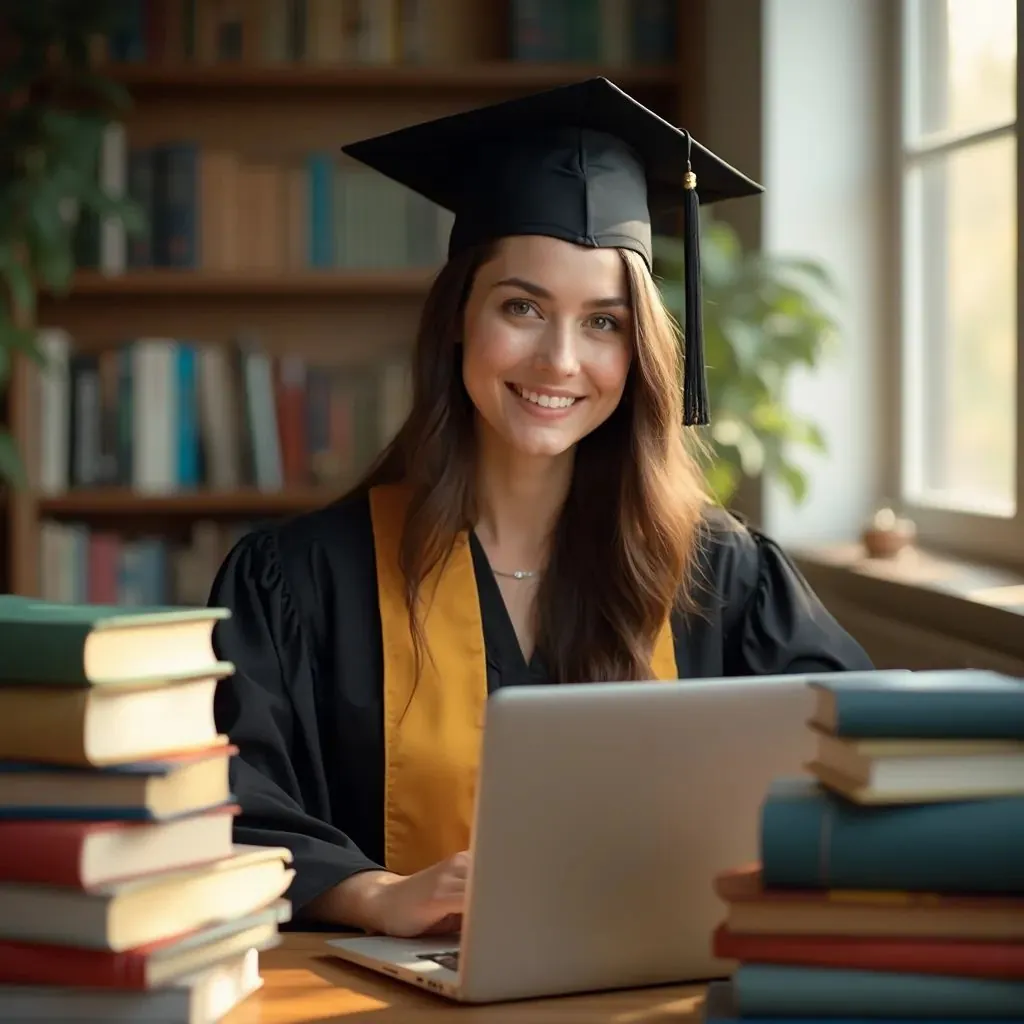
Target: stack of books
(891, 877)
(122, 895)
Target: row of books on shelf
(890, 883)
(616, 32)
(84, 564)
(162, 415)
(386, 32)
(219, 210)
(122, 893)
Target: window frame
(986, 537)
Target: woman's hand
(404, 906)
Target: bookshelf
(272, 106)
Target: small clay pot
(887, 534)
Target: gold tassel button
(690, 180)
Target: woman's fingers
(447, 925)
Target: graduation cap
(585, 163)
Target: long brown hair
(623, 549)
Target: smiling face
(547, 342)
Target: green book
(48, 642)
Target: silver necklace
(519, 574)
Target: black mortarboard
(585, 163)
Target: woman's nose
(559, 350)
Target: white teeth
(545, 401)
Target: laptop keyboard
(450, 959)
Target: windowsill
(939, 592)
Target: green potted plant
(57, 106)
(764, 315)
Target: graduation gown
(345, 762)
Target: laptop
(603, 813)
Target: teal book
(82, 645)
(812, 838)
(721, 1007)
(963, 704)
(770, 990)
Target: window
(962, 403)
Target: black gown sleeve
(273, 781)
(775, 623)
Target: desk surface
(303, 984)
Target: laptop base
(427, 963)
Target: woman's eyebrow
(542, 293)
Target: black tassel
(695, 388)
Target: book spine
(54, 415)
(50, 653)
(141, 189)
(24, 963)
(930, 714)
(85, 468)
(188, 468)
(816, 840)
(653, 31)
(177, 241)
(538, 30)
(42, 852)
(125, 415)
(320, 211)
(966, 959)
(764, 990)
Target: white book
(220, 418)
(114, 181)
(154, 415)
(53, 409)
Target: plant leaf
(20, 339)
(765, 314)
(722, 478)
(49, 239)
(19, 282)
(112, 93)
(792, 478)
(129, 212)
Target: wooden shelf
(301, 284)
(122, 502)
(474, 78)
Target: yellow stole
(433, 724)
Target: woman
(540, 511)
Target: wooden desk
(304, 985)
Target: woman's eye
(603, 322)
(518, 307)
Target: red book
(144, 967)
(85, 854)
(1002, 960)
(290, 399)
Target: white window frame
(986, 537)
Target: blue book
(812, 838)
(187, 395)
(944, 705)
(171, 787)
(320, 210)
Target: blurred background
(207, 311)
